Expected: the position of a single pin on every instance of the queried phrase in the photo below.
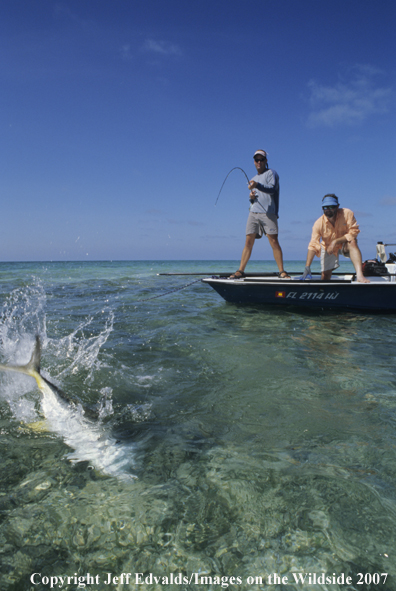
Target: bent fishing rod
(235, 168)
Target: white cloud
(184, 222)
(387, 200)
(126, 52)
(349, 101)
(161, 47)
(362, 214)
(152, 48)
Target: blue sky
(121, 118)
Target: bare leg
(247, 251)
(277, 251)
(356, 258)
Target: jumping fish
(87, 438)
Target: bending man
(263, 215)
(334, 232)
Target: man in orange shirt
(334, 232)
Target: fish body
(87, 438)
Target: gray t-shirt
(267, 193)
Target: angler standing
(263, 215)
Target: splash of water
(23, 316)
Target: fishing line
(161, 295)
(235, 168)
(196, 281)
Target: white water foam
(88, 439)
(22, 317)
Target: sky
(120, 120)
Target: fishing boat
(341, 292)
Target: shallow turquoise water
(247, 442)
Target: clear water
(247, 442)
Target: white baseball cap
(260, 153)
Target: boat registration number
(308, 295)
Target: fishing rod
(235, 168)
(228, 273)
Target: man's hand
(252, 185)
(307, 274)
(334, 243)
(331, 247)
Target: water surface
(247, 441)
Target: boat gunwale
(374, 281)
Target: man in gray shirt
(263, 215)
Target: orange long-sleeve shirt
(323, 232)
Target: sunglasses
(259, 159)
(329, 207)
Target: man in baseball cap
(333, 233)
(263, 215)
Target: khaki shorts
(261, 223)
(329, 262)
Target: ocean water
(208, 445)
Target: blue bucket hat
(330, 199)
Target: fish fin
(35, 360)
(33, 367)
